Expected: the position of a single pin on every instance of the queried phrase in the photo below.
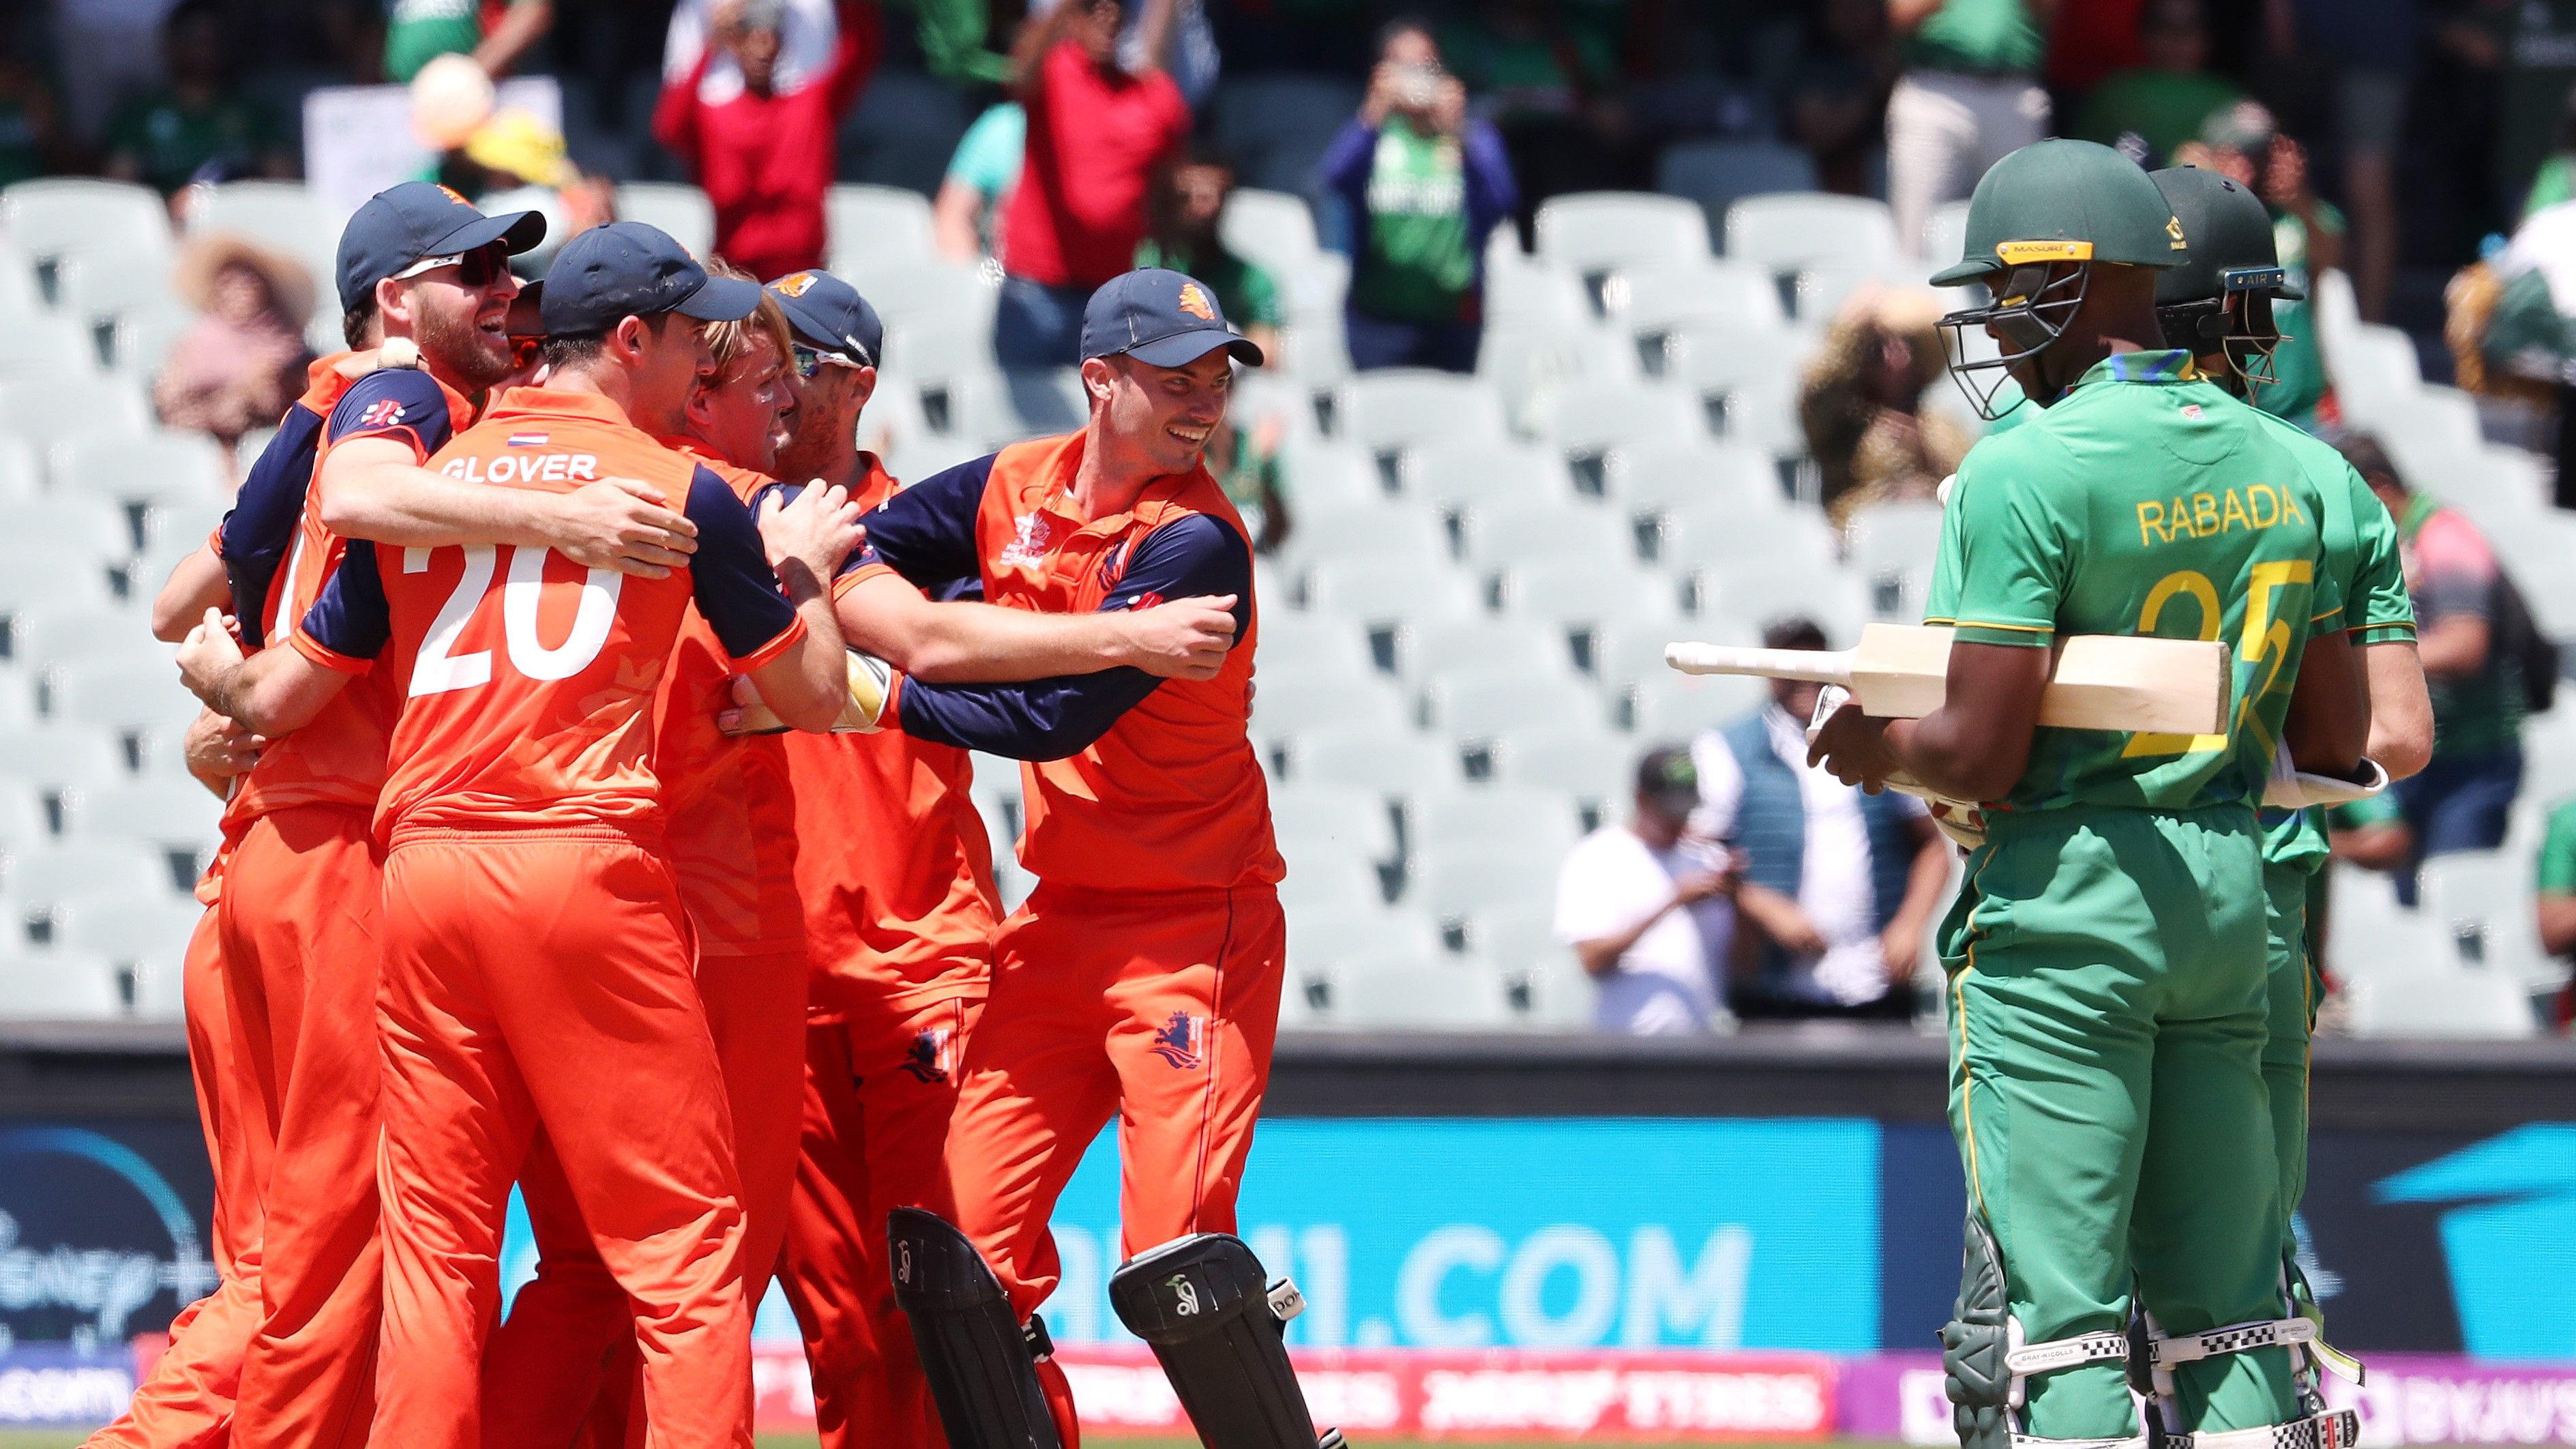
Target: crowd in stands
(1366, 185)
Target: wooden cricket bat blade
(2096, 681)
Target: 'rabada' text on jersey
(2207, 515)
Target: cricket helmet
(2223, 292)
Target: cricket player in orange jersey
(1141, 980)
(900, 909)
(537, 961)
(564, 1352)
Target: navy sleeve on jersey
(393, 400)
(730, 571)
(1049, 719)
(259, 529)
(927, 532)
(350, 618)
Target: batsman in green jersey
(2217, 305)
(2106, 957)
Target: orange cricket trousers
(566, 1345)
(543, 979)
(1157, 1008)
(187, 1401)
(879, 1094)
(300, 947)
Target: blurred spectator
(243, 360)
(2243, 144)
(2089, 41)
(766, 156)
(966, 216)
(1969, 96)
(1835, 103)
(2370, 833)
(2150, 110)
(1182, 224)
(1839, 885)
(1861, 403)
(950, 33)
(1097, 133)
(518, 164)
(2511, 335)
(496, 35)
(2376, 48)
(2466, 633)
(198, 118)
(1243, 453)
(2556, 879)
(1188, 53)
(1649, 910)
(2534, 48)
(1550, 81)
(1424, 185)
(30, 136)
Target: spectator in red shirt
(765, 156)
(1098, 135)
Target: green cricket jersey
(2144, 501)
(2360, 543)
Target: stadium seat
(1552, 992)
(1892, 547)
(1291, 701)
(18, 295)
(1760, 590)
(1820, 290)
(1592, 766)
(1384, 590)
(1945, 235)
(1484, 705)
(680, 210)
(1523, 291)
(1590, 419)
(2374, 366)
(283, 215)
(85, 527)
(1717, 174)
(1454, 885)
(1321, 939)
(1649, 302)
(1702, 473)
(122, 694)
(145, 942)
(1597, 232)
(1503, 535)
(1633, 650)
(1483, 645)
(1329, 880)
(997, 408)
(170, 812)
(45, 410)
(1467, 473)
(160, 464)
(1792, 232)
(42, 636)
(2369, 935)
(921, 354)
(1535, 818)
(1586, 594)
(22, 475)
(57, 217)
(172, 529)
(57, 986)
(1746, 381)
(1272, 229)
(46, 346)
(1399, 992)
(2447, 1003)
(1403, 407)
(1383, 530)
(1292, 639)
(2484, 904)
(928, 294)
(1674, 708)
(869, 224)
(1350, 817)
(38, 879)
(1405, 765)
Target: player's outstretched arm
(806, 684)
(966, 642)
(196, 585)
(2401, 711)
(271, 693)
(2328, 726)
(1974, 747)
(375, 488)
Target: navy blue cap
(1160, 318)
(402, 224)
(627, 269)
(828, 315)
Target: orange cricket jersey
(1130, 783)
(339, 757)
(732, 831)
(528, 679)
(891, 857)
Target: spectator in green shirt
(419, 31)
(2557, 906)
(198, 119)
(2243, 143)
(1969, 97)
(2153, 109)
(1182, 217)
(966, 215)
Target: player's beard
(473, 357)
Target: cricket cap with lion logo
(1162, 319)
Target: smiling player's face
(737, 411)
(1166, 414)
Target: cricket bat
(2095, 681)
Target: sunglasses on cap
(476, 268)
(810, 360)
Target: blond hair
(730, 342)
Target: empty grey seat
(1326, 475)
(126, 697)
(1593, 767)
(46, 346)
(1386, 590)
(1349, 816)
(1531, 817)
(1596, 417)
(1673, 708)
(1587, 594)
(1760, 590)
(1650, 301)
(86, 636)
(164, 811)
(65, 216)
(1600, 231)
(1397, 407)
(1290, 701)
(1945, 235)
(159, 464)
(932, 293)
(173, 528)
(1455, 884)
(57, 756)
(1272, 229)
(46, 410)
(1486, 645)
(1464, 472)
(1322, 939)
(24, 822)
(1717, 174)
(1485, 705)
(37, 879)
(145, 942)
(1400, 993)
(1503, 535)
(1791, 232)
(681, 211)
(1004, 407)
(1291, 639)
(57, 986)
(876, 223)
(1382, 530)
(1333, 880)
(2485, 903)
(1893, 546)
(1392, 765)
(284, 215)
(22, 474)
(2451, 1002)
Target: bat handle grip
(1820, 666)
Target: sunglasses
(478, 268)
(810, 360)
